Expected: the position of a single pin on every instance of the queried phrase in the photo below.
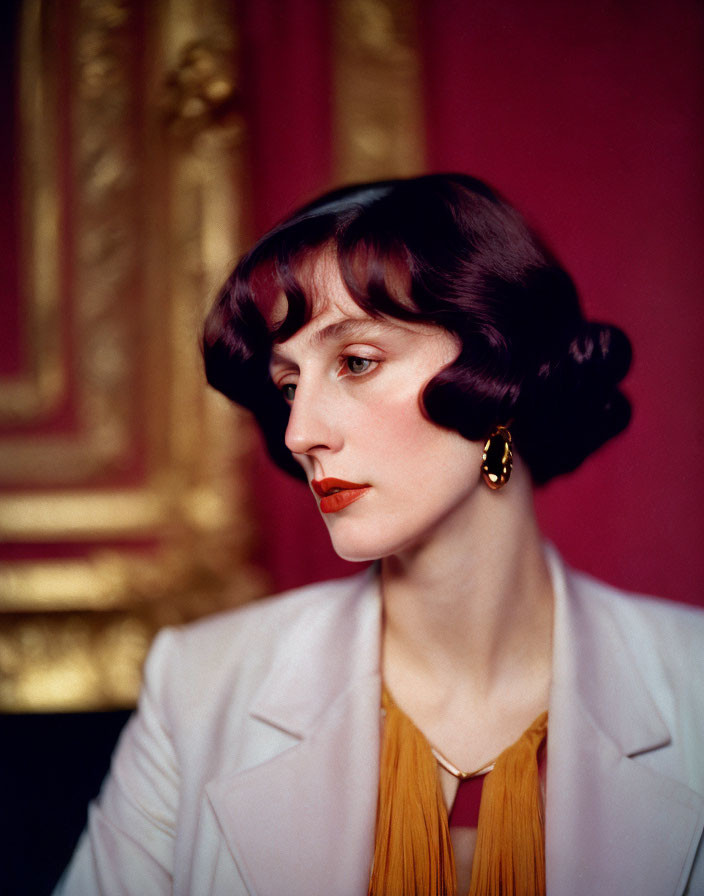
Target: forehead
(319, 277)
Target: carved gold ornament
(127, 509)
(378, 110)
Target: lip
(336, 494)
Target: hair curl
(528, 357)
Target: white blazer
(251, 766)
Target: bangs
(287, 294)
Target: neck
(474, 603)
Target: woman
(414, 352)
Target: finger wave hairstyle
(528, 358)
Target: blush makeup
(336, 494)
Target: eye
(357, 366)
(288, 390)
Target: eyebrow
(342, 329)
(351, 327)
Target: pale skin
(466, 643)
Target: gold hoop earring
(497, 459)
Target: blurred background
(145, 145)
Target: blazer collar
(320, 708)
(614, 822)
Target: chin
(361, 548)
(356, 553)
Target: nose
(314, 422)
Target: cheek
(396, 415)
(412, 448)
(403, 426)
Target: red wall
(589, 118)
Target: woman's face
(386, 479)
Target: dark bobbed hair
(528, 358)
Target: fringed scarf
(413, 851)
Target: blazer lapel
(303, 821)
(616, 824)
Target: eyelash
(343, 371)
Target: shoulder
(271, 608)
(661, 640)
(641, 618)
(229, 654)
(262, 622)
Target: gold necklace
(456, 772)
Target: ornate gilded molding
(148, 484)
(377, 90)
(98, 246)
(71, 662)
(34, 393)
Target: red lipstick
(335, 494)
